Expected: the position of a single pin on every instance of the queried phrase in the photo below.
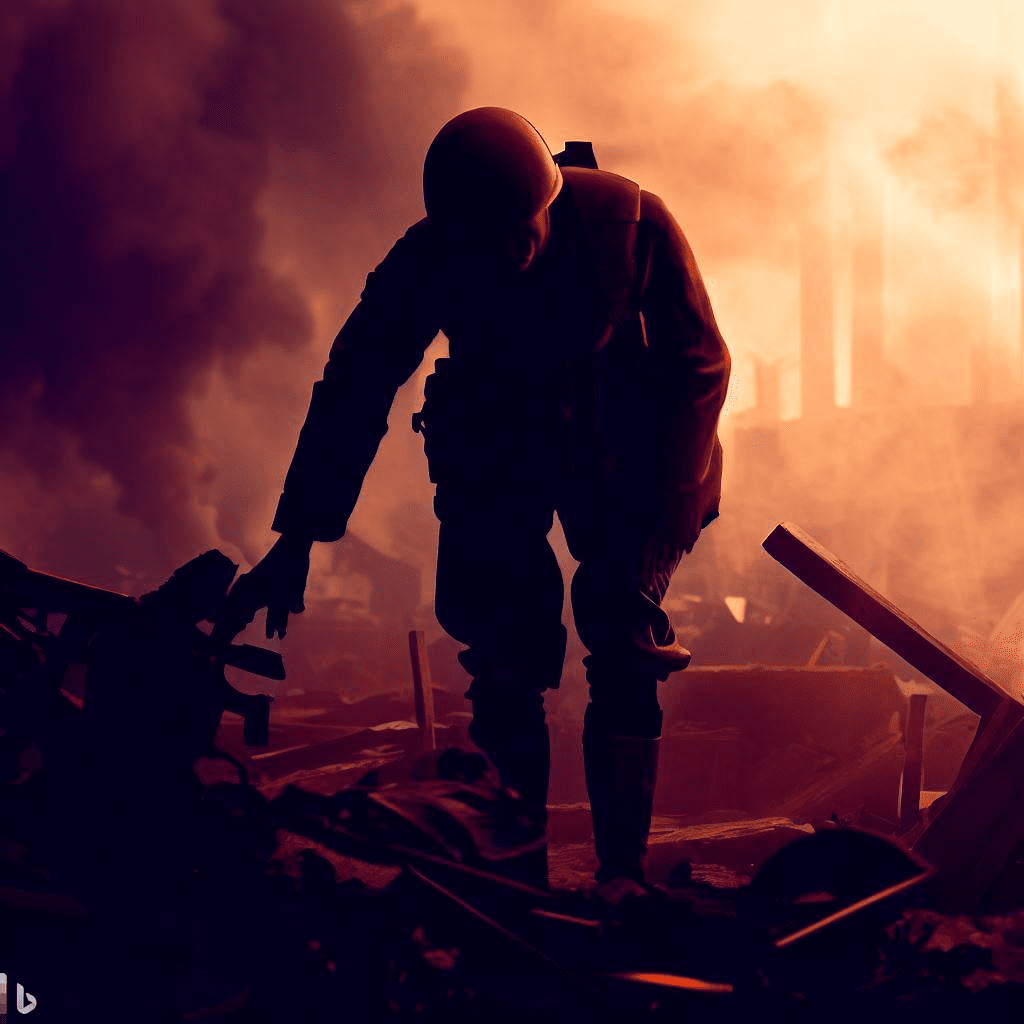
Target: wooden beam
(826, 575)
(423, 693)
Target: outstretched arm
(374, 354)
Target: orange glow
(676, 981)
(896, 128)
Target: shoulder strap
(608, 209)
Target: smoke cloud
(193, 193)
(162, 170)
(878, 123)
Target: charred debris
(829, 837)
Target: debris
(230, 893)
(812, 563)
(975, 840)
(449, 804)
(830, 650)
(975, 834)
(753, 741)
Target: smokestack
(768, 389)
(868, 291)
(817, 357)
(1020, 332)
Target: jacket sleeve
(691, 367)
(376, 351)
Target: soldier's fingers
(277, 620)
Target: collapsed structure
(365, 849)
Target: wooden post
(913, 759)
(423, 693)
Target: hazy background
(192, 192)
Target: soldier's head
(488, 181)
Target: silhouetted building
(817, 358)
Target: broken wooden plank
(976, 826)
(815, 565)
(423, 693)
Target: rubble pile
(358, 859)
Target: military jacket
(602, 363)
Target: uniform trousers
(499, 591)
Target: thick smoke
(144, 149)
(896, 124)
(194, 193)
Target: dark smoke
(143, 150)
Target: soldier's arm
(375, 352)
(691, 365)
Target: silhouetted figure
(585, 378)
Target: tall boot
(621, 774)
(523, 760)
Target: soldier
(585, 377)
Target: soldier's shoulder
(602, 195)
(415, 249)
(654, 210)
(421, 235)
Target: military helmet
(489, 164)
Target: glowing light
(737, 606)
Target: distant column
(867, 332)
(768, 388)
(817, 356)
(1020, 332)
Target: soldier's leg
(499, 591)
(616, 597)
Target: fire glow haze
(194, 191)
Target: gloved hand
(277, 582)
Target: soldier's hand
(277, 582)
(286, 566)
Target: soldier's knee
(624, 713)
(505, 710)
(511, 663)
